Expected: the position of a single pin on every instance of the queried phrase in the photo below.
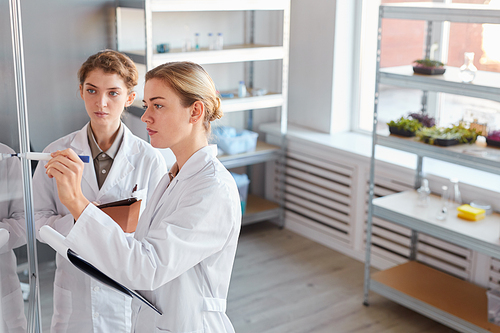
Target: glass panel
(13, 258)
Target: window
(402, 42)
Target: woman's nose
(145, 116)
(102, 101)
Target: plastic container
(493, 306)
(235, 142)
(482, 205)
(242, 182)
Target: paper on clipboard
(56, 241)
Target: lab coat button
(96, 288)
(96, 315)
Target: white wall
(311, 63)
(58, 38)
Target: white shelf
(485, 85)
(235, 104)
(260, 209)
(251, 103)
(428, 11)
(456, 303)
(401, 208)
(469, 155)
(230, 54)
(204, 6)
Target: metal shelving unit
(258, 209)
(456, 303)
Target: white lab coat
(12, 318)
(82, 304)
(182, 252)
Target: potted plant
(428, 67)
(404, 126)
(493, 138)
(423, 118)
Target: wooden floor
(285, 283)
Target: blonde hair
(111, 62)
(191, 83)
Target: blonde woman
(183, 251)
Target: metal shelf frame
(245, 53)
(486, 87)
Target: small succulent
(428, 63)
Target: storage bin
(242, 182)
(493, 306)
(231, 141)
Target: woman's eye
(158, 106)
(113, 93)
(144, 106)
(91, 91)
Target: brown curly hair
(112, 62)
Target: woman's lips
(100, 114)
(151, 132)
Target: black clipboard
(90, 270)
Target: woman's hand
(67, 169)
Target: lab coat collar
(197, 161)
(80, 145)
(121, 164)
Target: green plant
(429, 63)
(410, 125)
(456, 132)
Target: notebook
(124, 212)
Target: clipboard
(56, 241)
(124, 212)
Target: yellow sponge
(467, 212)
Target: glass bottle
(219, 43)
(423, 193)
(242, 89)
(197, 41)
(443, 207)
(468, 70)
(457, 196)
(211, 41)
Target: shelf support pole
(34, 310)
(372, 168)
(427, 55)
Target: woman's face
(105, 96)
(168, 122)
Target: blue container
(233, 142)
(242, 182)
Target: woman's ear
(197, 111)
(81, 91)
(130, 98)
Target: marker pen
(47, 156)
